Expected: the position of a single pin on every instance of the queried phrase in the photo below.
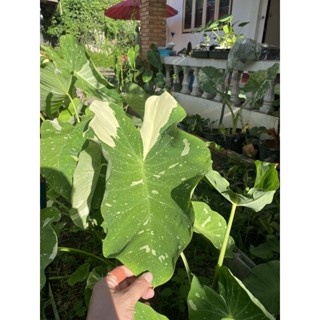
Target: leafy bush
(138, 211)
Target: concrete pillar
(153, 24)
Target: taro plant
(131, 186)
(258, 84)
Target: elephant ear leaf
(233, 301)
(49, 240)
(60, 146)
(147, 211)
(255, 198)
(211, 225)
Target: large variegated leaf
(232, 302)
(211, 225)
(85, 179)
(261, 194)
(48, 240)
(59, 150)
(147, 211)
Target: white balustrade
(188, 64)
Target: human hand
(115, 296)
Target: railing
(188, 83)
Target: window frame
(204, 13)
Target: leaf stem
(42, 117)
(186, 265)
(225, 244)
(74, 107)
(85, 253)
(53, 304)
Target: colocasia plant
(133, 185)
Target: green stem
(58, 202)
(53, 304)
(85, 253)
(42, 117)
(225, 244)
(58, 277)
(186, 265)
(74, 107)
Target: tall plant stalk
(224, 244)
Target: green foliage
(180, 165)
(264, 283)
(195, 124)
(125, 190)
(222, 30)
(258, 84)
(102, 59)
(79, 18)
(48, 248)
(232, 301)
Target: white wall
(253, 11)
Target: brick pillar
(153, 24)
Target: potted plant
(223, 33)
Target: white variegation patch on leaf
(211, 225)
(105, 123)
(85, 178)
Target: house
(263, 17)
(264, 26)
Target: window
(197, 13)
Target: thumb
(141, 287)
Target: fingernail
(148, 276)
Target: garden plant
(124, 185)
(243, 52)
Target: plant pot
(219, 53)
(269, 151)
(203, 54)
(210, 136)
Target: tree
(85, 20)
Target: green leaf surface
(212, 225)
(54, 87)
(211, 79)
(59, 150)
(264, 283)
(266, 249)
(143, 312)
(266, 184)
(135, 97)
(71, 68)
(259, 82)
(154, 59)
(94, 84)
(48, 240)
(147, 212)
(233, 301)
(80, 274)
(85, 178)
